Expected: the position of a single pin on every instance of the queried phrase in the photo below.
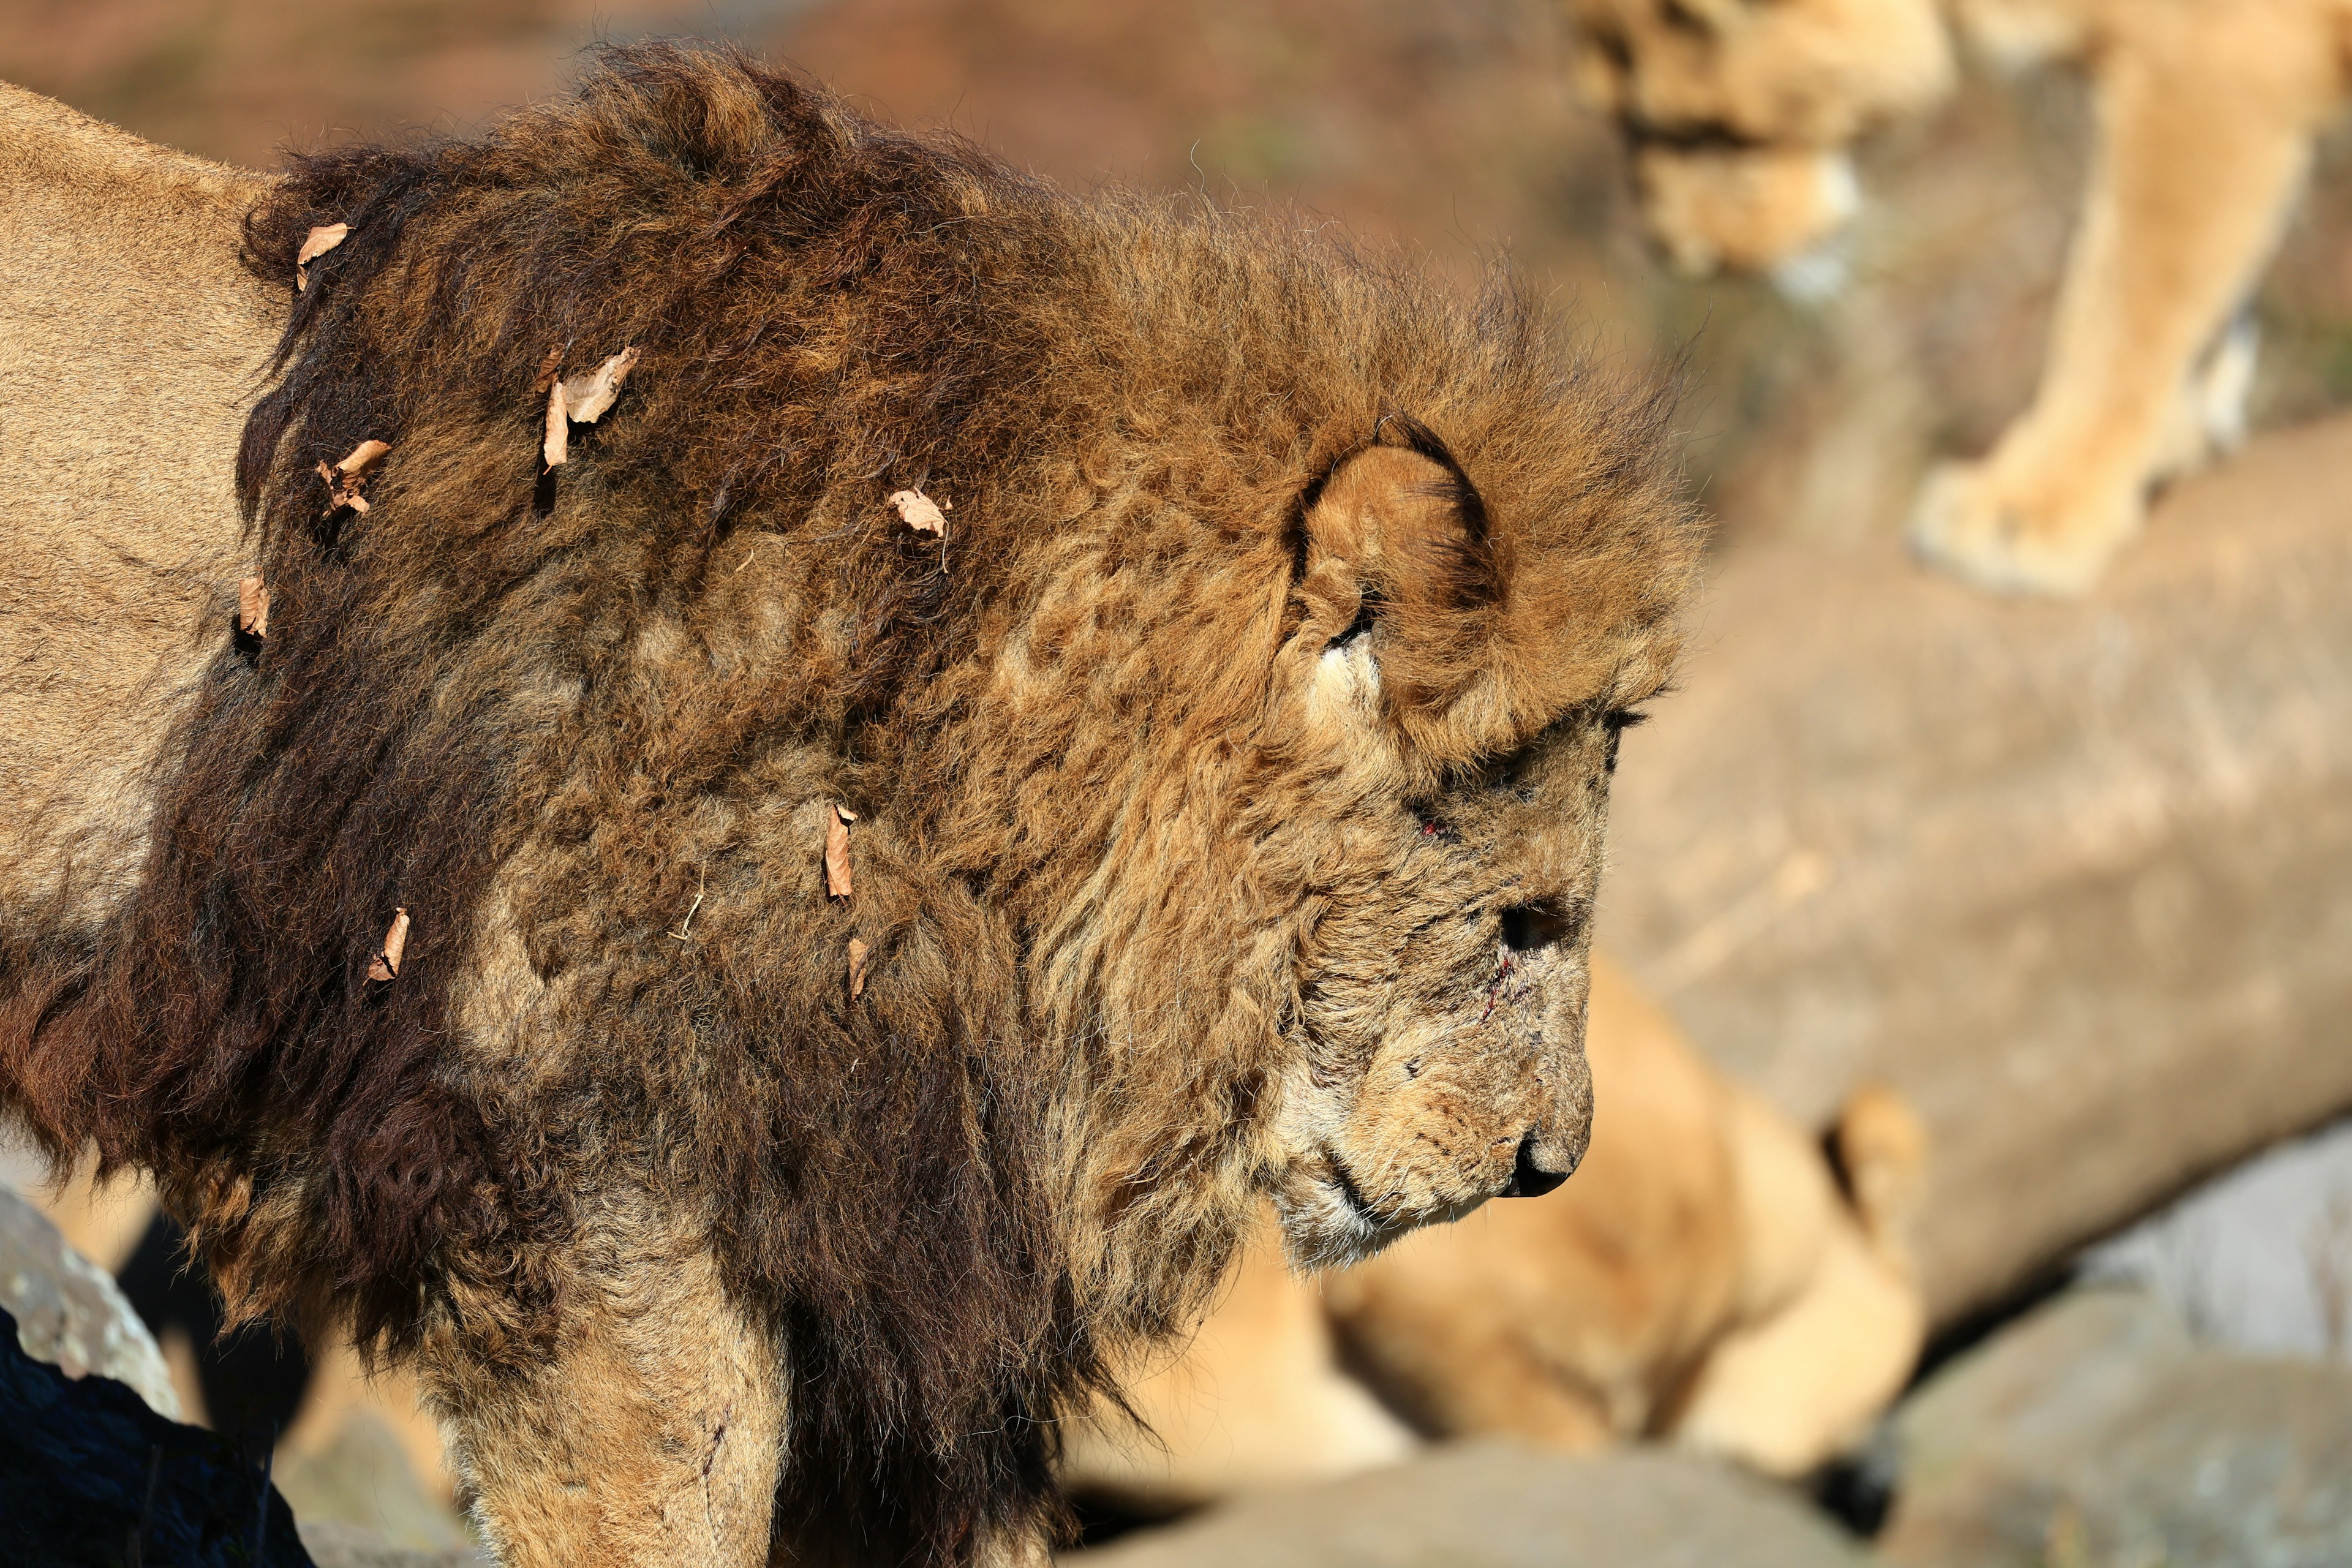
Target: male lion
(1741, 112)
(864, 958)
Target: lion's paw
(1970, 523)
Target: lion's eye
(1531, 926)
(1365, 613)
(1614, 724)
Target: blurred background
(2075, 877)
(1451, 128)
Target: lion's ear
(1409, 527)
(1396, 562)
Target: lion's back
(130, 342)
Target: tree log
(2075, 875)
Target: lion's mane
(576, 724)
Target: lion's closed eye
(1367, 613)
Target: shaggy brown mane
(566, 723)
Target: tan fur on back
(1742, 113)
(134, 343)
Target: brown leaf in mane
(555, 441)
(586, 397)
(582, 400)
(317, 243)
(344, 479)
(253, 607)
(385, 965)
(857, 953)
(919, 512)
(836, 852)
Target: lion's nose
(1529, 1178)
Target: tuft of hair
(552, 713)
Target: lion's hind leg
(1836, 1315)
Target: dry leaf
(919, 512)
(363, 457)
(317, 243)
(387, 964)
(343, 480)
(857, 952)
(585, 397)
(556, 445)
(253, 607)
(548, 368)
(836, 853)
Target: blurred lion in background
(1707, 1277)
(1742, 114)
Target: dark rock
(2095, 1431)
(2075, 876)
(91, 1477)
(1492, 1506)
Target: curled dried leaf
(555, 444)
(387, 964)
(315, 244)
(344, 479)
(858, 955)
(836, 855)
(253, 607)
(919, 512)
(548, 368)
(363, 458)
(585, 397)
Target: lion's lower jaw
(1321, 1229)
(1966, 523)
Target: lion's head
(1222, 785)
(1437, 1031)
(1742, 112)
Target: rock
(1493, 1506)
(91, 1477)
(362, 1479)
(69, 1313)
(2257, 1260)
(2075, 876)
(338, 1545)
(2095, 1431)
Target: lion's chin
(1327, 1226)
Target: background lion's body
(2206, 115)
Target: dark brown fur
(559, 712)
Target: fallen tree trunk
(2076, 877)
